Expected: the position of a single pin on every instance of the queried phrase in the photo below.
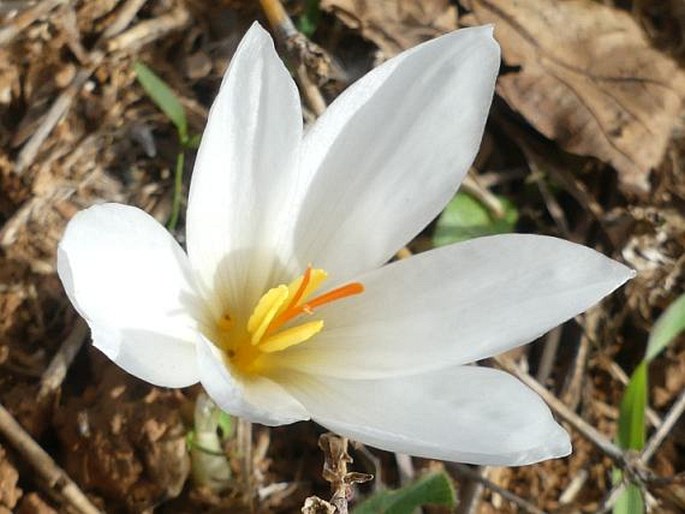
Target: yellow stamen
(303, 286)
(299, 289)
(290, 337)
(265, 311)
(246, 346)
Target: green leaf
(668, 326)
(194, 141)
(310, 17)
(466, 218)
(631, 420)
(433, 489)
(164, 97)
(630, 501)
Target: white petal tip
(556, 445)
(561, 444)
(620, 274)
(256, 30)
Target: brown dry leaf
(588, 79)
(395, 25)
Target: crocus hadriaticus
(283, 307)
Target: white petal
(387, 156)
(466, 414)
(130, 280)
(457, 304)
(240, 195)
(257, 399)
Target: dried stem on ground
(305, 54)
(467, 472)
(143, 33)
(470, 495)
(26, 18)
(473, 186)
(56, 478)
(650, 449)
(582, 426)
(335, 472)
(59, 365)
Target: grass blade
(668, 326)
(432, 489)
(631, 421)
(164, 97)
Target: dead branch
(132, 39)
(56, 478)
(465, 471)
(303, 52)
(26, 18)
(582, 426)
(650, 449)
(59, 365)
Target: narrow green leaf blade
(466, 218)
(432, 489)
(164, 97)
(631, 420)
(630, 501)
(194, 141)
(668, 326)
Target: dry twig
(303, 52)
(582, 426)
(650, 449)
(142, 33)
(464, 470)
(472, 186)
(26, 18)
(57, 369)
(335, 472)
(38, 459)
(470, 493)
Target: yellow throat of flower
(266, 332)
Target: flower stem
(244, 438)
(209, 463)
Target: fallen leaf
(587, 77)
(395, 25)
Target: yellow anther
(265, 311)
(296, 294)
(290, 337)
(316, 278)
(273, 327)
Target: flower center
(276, 321)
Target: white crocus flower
(375, 353)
